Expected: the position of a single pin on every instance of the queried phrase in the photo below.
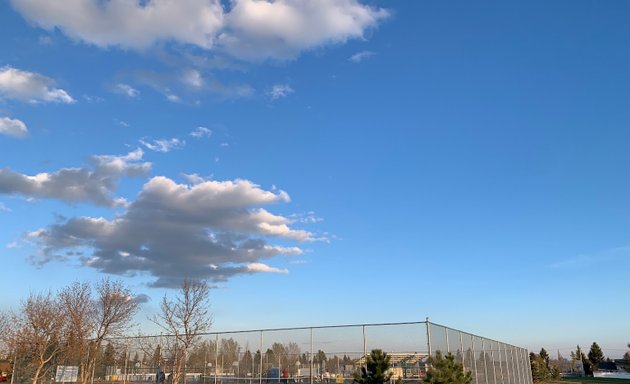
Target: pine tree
(545, 356)
(595, 355)
(445, 370)
(375, 370)
(586, 364)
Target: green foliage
(445, 370)
(595, 355)
(545, 356)
(376, 369)
(579, 355)
(540, 371)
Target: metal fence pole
(485, 359)
(529, 368)
(448, 347)
(472, 341)
(261, 358)
(428, 324)
(494, 370)
(216, 357)
(501, 363)
(311, 359)
(461, 348)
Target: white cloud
(212, 230)
(13, 127)
(29, 86)
(201, 132)
(280, 91)
(129, 24)
(359, 57)
(284, 28)
(249, 29)
(173, 98)
(126, 89)
(163, 145)
(4, 208)
(193, 78)
(194, 178)
(260, 267)
(74, 185)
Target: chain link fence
(313, 355)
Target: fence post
(311, 359)
(472, 344)
(261, 358)
(216, 356)
(428, 324)
(461, 348)
(448, 347)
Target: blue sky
(326, 162)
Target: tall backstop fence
(321, 355)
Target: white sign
(66, 373)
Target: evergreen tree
(588, 370)
(545, 356)
(156, 359)
(375, 370)
(595, 355)
(626, 357)
(445, 370)
(540, 370)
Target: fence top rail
(216, 333)
(472, 334)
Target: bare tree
(80, 309)
(184, 319)
(38, 331)
(114, 310)
(94, 316)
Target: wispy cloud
(201, 132)
(586, 260)
(126, 89)
(163, 145)
(280, 91)
(4, 208)
(359, 57)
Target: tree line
(545, 369)
(74, 326)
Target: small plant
(376, 369)
(445, 370)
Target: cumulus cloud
(31, 87)
(212, 230)
(279, 91)
(359, 57)
(201, 132)
(163, 145)
(248, 29)
(13, 127)
(283, 28)
(94, 185)
(129, 24)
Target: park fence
(309, 355)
